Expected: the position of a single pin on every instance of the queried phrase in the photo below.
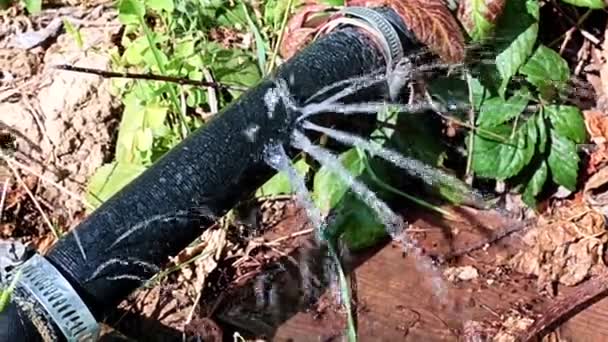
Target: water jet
(61, 295)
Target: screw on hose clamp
(53, 292)
(375, 23)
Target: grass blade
(5, 294)
(259, 42)
(280, 37)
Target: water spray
(62, 295)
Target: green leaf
(519, 28)
(132, 121)
(454, 190)
(154, 117)
(594, 4)
(240, 70)
(143, 140)
(161, 5)
(134, 52)
(130, 11)
(33, 6)
(328, 188)
(156, 59)
(473, 16)
(568, 122)
(144, 92)
(358, 224)
(478, 92)
(74, 32)
(280, 183)
(184, 48)
(500, 160)
(483, 28)
(195, 97)
(532, 8)
(4, 4)
(231, 16)
(109, 179)
(563, 161)
(333, 2)
(535, 184)
(496, 111)
(5, 294)
(273, 12)
(509, 60)
(546, 68)
(260, 44)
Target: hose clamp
(38, 277)
(373, 22)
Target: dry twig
(45, 218)
(585, 295)
(493, 238)
(49, 181)
(3, 198)
(150, 77)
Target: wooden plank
(400, 299)
(590, 324)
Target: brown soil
(63, 122)
(396, 299)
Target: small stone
(463, 273)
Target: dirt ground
(61, 124)
(490, 276)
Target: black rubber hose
(163, 210)
(15, 325)
(128, 238)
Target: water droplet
(251, 132)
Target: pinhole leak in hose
(126, 240)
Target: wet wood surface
(590, 324)
(400, 300)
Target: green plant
(524, 132)
(523, 101)
(6, 293)
(4, 4)
(174, 38)
(33, 6)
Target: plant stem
(259, 42)
(150, 77)
(45, 217)
(275, 52)
(467, 173)
(579, 22)
(185, 130)
(414, 199)
(5, 294)
(472, 127)
(344, 293)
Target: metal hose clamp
(48, 287)
(375, 23)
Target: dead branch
(585, 295)
(151, 77)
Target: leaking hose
(125, 242)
